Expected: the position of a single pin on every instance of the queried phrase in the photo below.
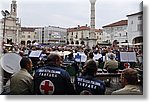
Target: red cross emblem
(47, 87)
(126, 65)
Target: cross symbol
(126, 65)
(46, 87)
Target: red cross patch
(47, 87)
(126, 65)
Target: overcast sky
(70, 13)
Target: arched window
(72, 42)
(23, 42)
(28, 42)
(68, 42)
(82, 43)
(77, 42)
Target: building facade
(135, 27)
(27, 35)
(81, 34)
(51, 35)
(116, 32)
(39, 35)
(11, 27)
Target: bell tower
(13, 9)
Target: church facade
(10, 25)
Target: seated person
(89, 83)
(111, 65)
(90, 55)
(22, 82)
(52, 79)
(129, 79)
(73, 65)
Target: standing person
(129, 79)
(22, 82)
(90, 56)
(112, 64)
(88, 84)
(108, 52)
(52, 79)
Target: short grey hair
(111, 56)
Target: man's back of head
(26, 63)
(111, 56)
(91, 55)
(131, 76)
(129, 80)
(53, 59)
(91, 67)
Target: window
(126, 34)
(139, 27)
(76, 36)
(77, 42)
(29, 36)
(82, 34)
(97, 37)
(120, 34)
(140, 18)
(23, 36)
(14, 7)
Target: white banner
(127, 57)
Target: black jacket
(52, 80)
(90, 84)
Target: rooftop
(80, 28)
(119, 23)
(28, 29)
(138, 13)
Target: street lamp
(5, 14)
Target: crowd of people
(47, 74)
